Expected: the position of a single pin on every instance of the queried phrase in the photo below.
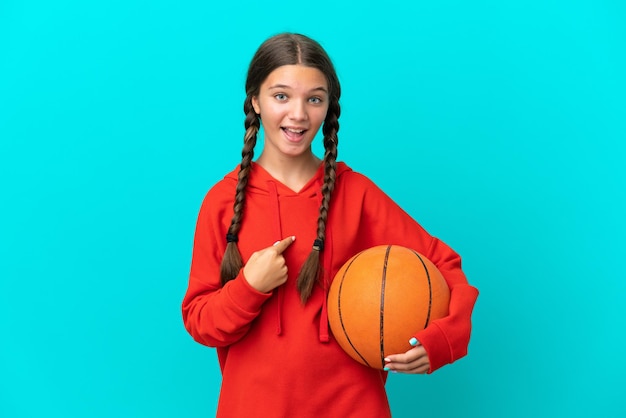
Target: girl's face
(292, 102)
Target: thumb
(281, 246)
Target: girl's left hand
(414, 361)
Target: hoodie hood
(262, 185)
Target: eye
(315, 100)
(280, 96)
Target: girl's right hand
(266, 268)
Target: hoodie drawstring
(275, 210)
(327, 263)
(326, 255)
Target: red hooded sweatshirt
(277, 356)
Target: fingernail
(387, 359)
(413, 341)
(386, 369)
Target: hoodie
(277, 356)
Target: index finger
(281, 246)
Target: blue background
(500, 126)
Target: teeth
(295, 131)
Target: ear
(255, 105)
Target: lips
(294, 134)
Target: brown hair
(279, 50)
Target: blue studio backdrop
(499, 126)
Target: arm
(445, 340)
(214, 315)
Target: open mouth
(293, 133)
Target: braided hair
(279, 50)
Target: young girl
(271, 236)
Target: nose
(298, 110)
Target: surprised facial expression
(292, 103)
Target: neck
(294, 173)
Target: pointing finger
(282, 245)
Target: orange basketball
(380, 298)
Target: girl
(271, 236)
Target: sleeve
(445, 340)
(213, 315)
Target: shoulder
(221, 193)
(226, 184)
(353, 180)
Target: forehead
(297, 77)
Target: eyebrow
(284, 86)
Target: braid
(311, 270)
(232, 261)
(277, 51)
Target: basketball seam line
(430, 289)
(382, 308)
(345, 333)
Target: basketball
(380, 298)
